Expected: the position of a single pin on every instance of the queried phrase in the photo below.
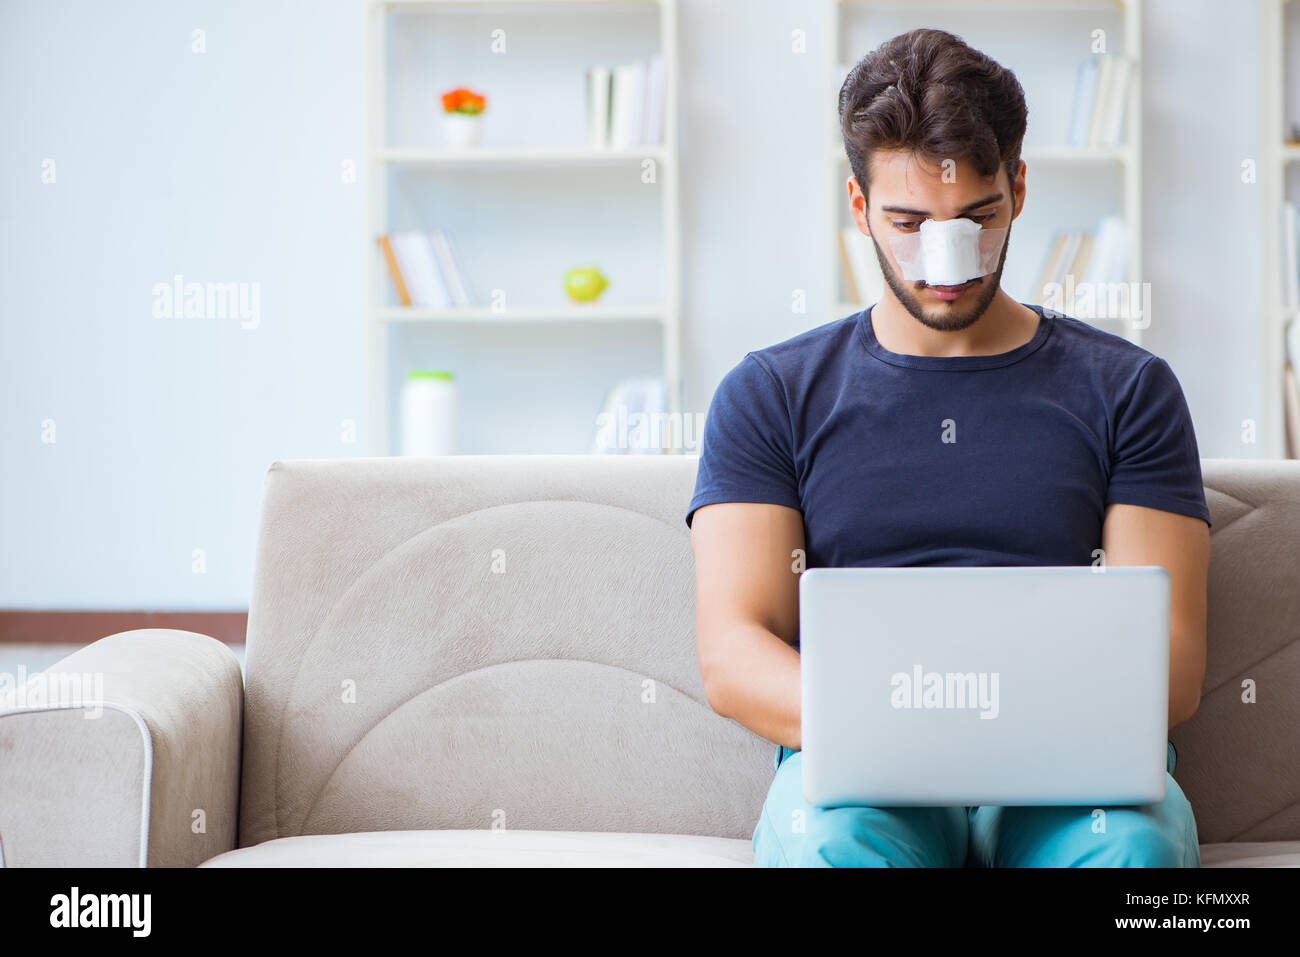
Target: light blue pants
(793, 833)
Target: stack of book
(625, 104)
(1290, 390)
(1290, 260)
(862, 277)
(1100, 94)
(1084, 257)
(633, 419)
(425, 269)
(1291, 307)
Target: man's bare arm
(747, 614)
(1133, 535)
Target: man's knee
(885, 837)
(837, 837)
(1131, 837)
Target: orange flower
(463, 100)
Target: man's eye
(905, 225)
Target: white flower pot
(464, 130)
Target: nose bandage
(948, 252)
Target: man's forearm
(1186, 676)
(754, 680)
(1181, 708)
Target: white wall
(1202, 251)
(225, 166)
(220, 166)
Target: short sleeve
(1155, 462)
(745, 454)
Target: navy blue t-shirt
(1007, 459)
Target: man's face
(905, 190)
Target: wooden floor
(39, 656)
(81, 627)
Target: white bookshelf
(1121, 164)
(1276, 162)
(592, 313)
(384, 158)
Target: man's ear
(1018, 191)
(858, 206)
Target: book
(1101, 92)
(1073, 239)
(1105, 78)
(627, 96)
(1290, 261)
(1109, 260)
(850, 286)
(598, 83)
(419, 267)
(1114, 109)
(1085, 89)
(1291, 411)
(448, 266)
(633, 419)
(1055, 251)
(403, 296)
(1078, 266)
(625, 104)
(868, 282)
(466, 281)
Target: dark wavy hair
(928, 92)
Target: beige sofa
(490, 660)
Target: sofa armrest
(123, 754)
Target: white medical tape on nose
(948, 252)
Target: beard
(938, 315)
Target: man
(946, 425)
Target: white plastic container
(429, 413)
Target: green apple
(584, 283)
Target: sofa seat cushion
(487, 848)
(1251, 854)
(484, 848)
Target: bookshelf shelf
(982, 5)
(477, 5)
(480, 314)
(422, 188)
(519, 156)
(1051, 154)
(1077, 154)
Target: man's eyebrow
(995, 198)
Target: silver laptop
(947, 686)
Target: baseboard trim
(82, 627)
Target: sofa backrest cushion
(478, 642)
(1238, 757)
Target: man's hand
(1134, 535)
(747, 614)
